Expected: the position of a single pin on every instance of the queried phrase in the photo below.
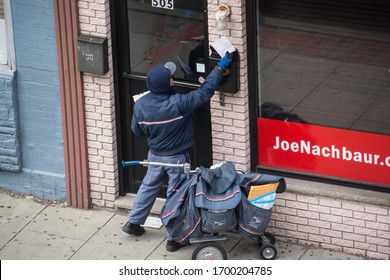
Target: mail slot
(92, 54)
(230, 79)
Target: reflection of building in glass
(163, 35)
(328, 62)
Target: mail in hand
(222, 45)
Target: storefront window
(7, 53)
(170, 31)
(326, 64)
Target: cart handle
(126, 163)
(186, 166)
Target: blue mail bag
(252, 220)
(179, 215)
(217, 188)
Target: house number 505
(166, 4)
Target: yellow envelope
(260, 190)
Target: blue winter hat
(171, 66)
(158, 79)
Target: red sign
(340, 153)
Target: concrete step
(124, 203)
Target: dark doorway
(145, 34)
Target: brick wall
(230, 130)
(100, 110)
(39, 104)
(9, 123)
(230, 122)
(38, 85)
(336, 224)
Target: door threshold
(124, 203)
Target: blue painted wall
(42, 155)
(9, 123)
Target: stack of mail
(263, 196)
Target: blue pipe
(134, 162)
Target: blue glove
(225, 61)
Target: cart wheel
(209, 251)
(266, 238)
(268, 252)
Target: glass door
(167, 30)
(151, 33)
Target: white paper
(200, 68)
(153, 222)
(138, 96)
(222, 45)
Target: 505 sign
(165, 4)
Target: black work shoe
(133, 229)
(173, 246)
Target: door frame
(119, 53)
(253, 86)
(121, 68)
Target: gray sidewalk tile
(70, 222)
(160, 253)
(248, 249)
(289, 251)
(15, 214)
(186, 252)
(38, 245)
(35, 231)
(111, 243)
(322, 254)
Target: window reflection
(327, 62)
(159, 35)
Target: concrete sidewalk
(33, 230)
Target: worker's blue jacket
(164, 116)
